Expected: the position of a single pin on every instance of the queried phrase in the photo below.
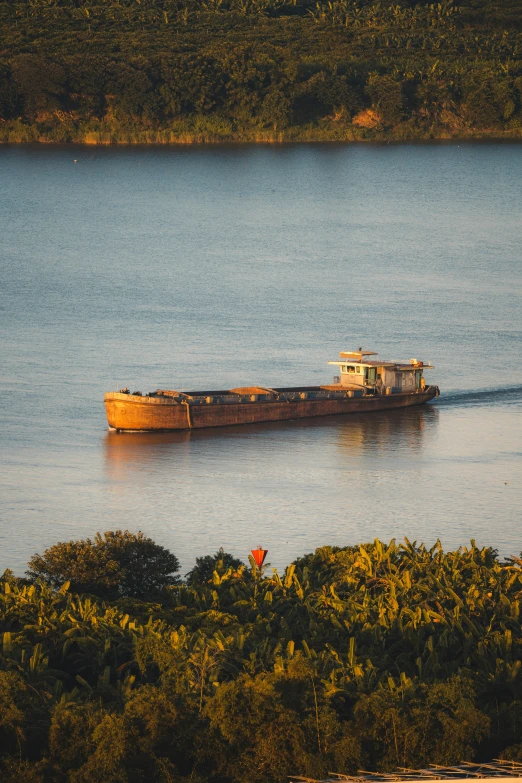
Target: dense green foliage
(189, 70)
(372, 657)
(115, 563)
(205, 566)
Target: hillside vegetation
(374, 656)
(259, 70)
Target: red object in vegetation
(259, 555)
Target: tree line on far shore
(218, 70)
(376, 656)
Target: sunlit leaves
(393, 653)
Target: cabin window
(350, 369)
(358, 369)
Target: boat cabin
(357, 371)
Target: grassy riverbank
(202, 131)
(188, 71)
(374, 656)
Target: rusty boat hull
(197, 410)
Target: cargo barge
(364, 384)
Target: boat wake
(508, 395)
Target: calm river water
(203, 266)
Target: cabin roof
(374, 363)
(357, 354)
(359, 358)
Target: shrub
(205, 566)
(387, 98)
(117, 563)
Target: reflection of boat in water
(362, 434)
(389, 432)
(363, 385)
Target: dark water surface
(226, 266)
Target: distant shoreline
(165, 137)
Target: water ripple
(463, 399)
